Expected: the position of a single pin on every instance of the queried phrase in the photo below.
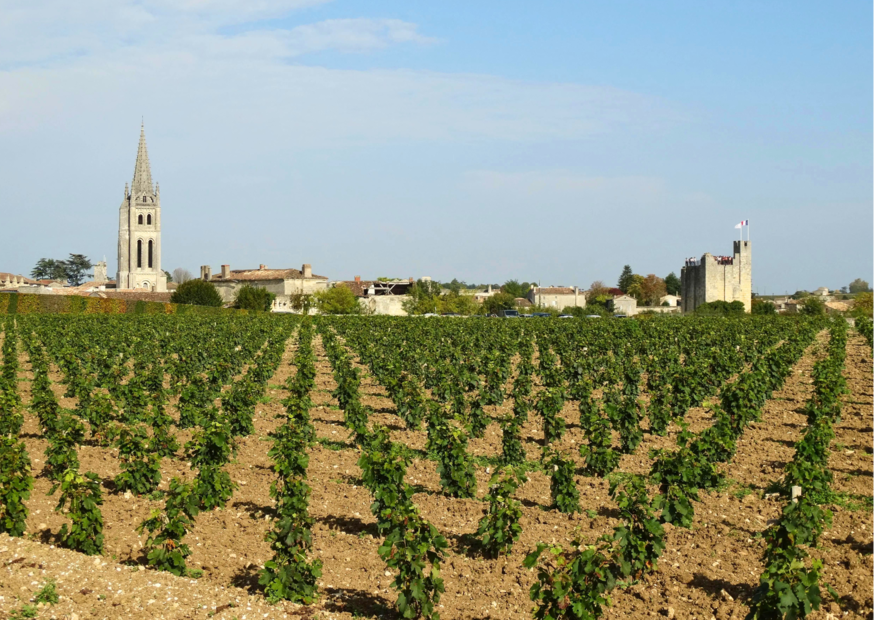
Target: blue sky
(550, 141)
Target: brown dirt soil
(706, 572)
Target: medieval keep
(139, 229)
(718, 278)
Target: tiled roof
(243, 275)
(521, 302)
(358, 288)
(4, 276)
(554, 290)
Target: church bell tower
(139, 229)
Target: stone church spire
(142, 183)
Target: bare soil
(706, 572)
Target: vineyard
(243, 466)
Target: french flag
(743, 223)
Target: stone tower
(718, 278)
(139, 229)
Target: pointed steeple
(142, 183)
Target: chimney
(205, 272)
(411, 280)
(262, 267)
(357, 279)
(307, 271)
(226, 272)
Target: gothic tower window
(139, 253)
(149, 219)
(150, 253)
(140, 218)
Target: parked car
(542, 314)
(593, 316)
(508, 314)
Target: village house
(284, 283)
(623, 304)
(557, 297)
(384, 297)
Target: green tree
(863, 305)
(75, 268)
(625, 279)
(424, 298)
(516, 289)
(721, 308)
(636, 287)
(762, 307)
(197, 293)
(859, 286)
(337, 300)
(49, 269)
(498, 302)
(168, 275)
(254, 298)
(813, 306)
(672, 283)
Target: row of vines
(450, 377)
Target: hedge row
(17, 303)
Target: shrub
(454, 465)
(641, 538)
(16, 484)
(563, 487)
(413, 546)
(549, 407)
(164, 547)
(80, 499)
(571, 583)
(337, 300)
(600, 458)
(197, 293)
(383, 467)
(254, 298)
(140, 464)
(813, 306)
(500, 528)
(209, 450)
(763, 308)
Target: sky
(552, 142)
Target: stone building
(557, 296)
(623, 304)
(384, 297)
(284, 283)
(139, 229)
(718, 278)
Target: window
(149, 219)
(140, 218)
(139, 253)
(150, 253)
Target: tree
(800, 294)
(337, 300)
(813, 306)
(75, 268)
(863, 305)
(635, 288)
(762, 307)
(197, 293)
(597, 289)
(254, 298)
(49, 269)
(168, 275)
(181, 276)
(672, 284)
(424, 298)
(498, 302)
(652, 288)
(720, 307)
(859, 286)
(514, 288)
(301, 302)
(625, 279)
